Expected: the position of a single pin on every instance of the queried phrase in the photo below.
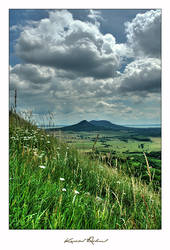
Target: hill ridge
(104, 125)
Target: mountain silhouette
(82, 126)
(104, 125)
(107, 124)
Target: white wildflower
(42, 166)
(118, 182)
(63, 189)
(62, 179)
(48, 141)
(76, 192)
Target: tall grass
(147, 165)
(52, 186)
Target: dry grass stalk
(120, 206)
(145, 202)
(134, 195)
(147, 164)
(95, 141)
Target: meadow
(52, 185)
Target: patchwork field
(110, 141)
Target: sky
(102, 64)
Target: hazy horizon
(127, 125)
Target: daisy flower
(42, 166)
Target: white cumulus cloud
(73, 45)
(144, 33)
(142, 75)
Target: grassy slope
(96, 197)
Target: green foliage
(52, 186)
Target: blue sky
(87, 64)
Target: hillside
(52, 186)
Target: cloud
(141, 76)
(64, 43)
(95, 15)
(33, 73)
(56, 90)
(75, 99)
(103, 104)
(74, 70)
(42, 89)
(144, 33)
(16, 27)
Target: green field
(110, 141)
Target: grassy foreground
(52, 186)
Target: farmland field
(110, 141)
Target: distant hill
(137, 131)
(107, 124)
(104, 125)
(82, 126)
